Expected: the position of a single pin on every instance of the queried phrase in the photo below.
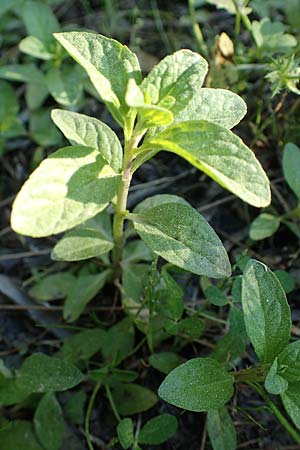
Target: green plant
(71, 190)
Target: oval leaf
(218, 153)
(83, 243)
(132, 399)
(48, 422)
(90, 132)
(182, 236)
(265, 225)
(67, 188)
(19, 435)
(291, 167)
(200, 384)
(289, 362)
(291, 401)
(266, 311)
(221, 430)
(158, 430)
(42, 373)
(108, 63)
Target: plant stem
(88, 415)
(252, 374)
(122, 195)
(196, 29)
(293, 433)
(112, 403)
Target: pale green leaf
(132, 399)
(159, 199)
(79, 244)
(221, 430)
(220, 154)
(263, 226)
(27, 73)
(7, 5)
(182, 236)
(109, 65)
(274, 382)
(158, 430)
(286, 279)
(49, 423)
(219, 106)
(19, 435)
(149, 115)
(65, 85)
(136, 251)
(35, 95)
(216, 296)
(83, 291)
(291, 167)
(266, 311)
(82, 345)
(200, 384)
(177, 76)
(165, 361)
(52, 287)
(42, 373)
(125, 433)
(39, 21)
(33, 46)
(291, 401)
(69, 187)
(289, 362)
(42, 130)
(84, 130)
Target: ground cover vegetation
(150, 280)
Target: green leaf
(19, 435)
(74, 408)
(171, 296)
(35, 47)
(42, 130)
(9, 106)
(232, 344)
(109, 65)
(7, 5)
(266, 311)
(182, 236)
(69, 187)
(79, 244)
(289, 362)
(82, 345)
(136, 251)
(27, 73)
(192, 327)
(39, 21)
(158, 430)
(90, 132)
(291, 167)
(215, 296)
(274, 382)
(221, 430)
(219, 106)
(48, 422)
(119, 341)
(132, 399)
(11, 393)
(35, 95)
(165, 361)
(157, 200)
(286, 279)
(220, 154)
(65, 85)
(291, 401)
(42, 373)
(150, 115)
(125, 433)
(176, 77)
(270, 36)
(200, 384)
(83, 291)
(52, 287)
(265, 225)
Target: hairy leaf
(109, 65)
(220, 154)
(289, 362)
(221, 430)
(90, 132)
(274, 382)
(291, 401)
(263, 226)
(48, 422)
(200, 384)
(69, 187)
(79, 244)
(40, 21)
(266, 311)
(65, 85)
(125, 433)
(182, 236)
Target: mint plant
(71, 191)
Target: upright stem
(196, 29)
(122, 195)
